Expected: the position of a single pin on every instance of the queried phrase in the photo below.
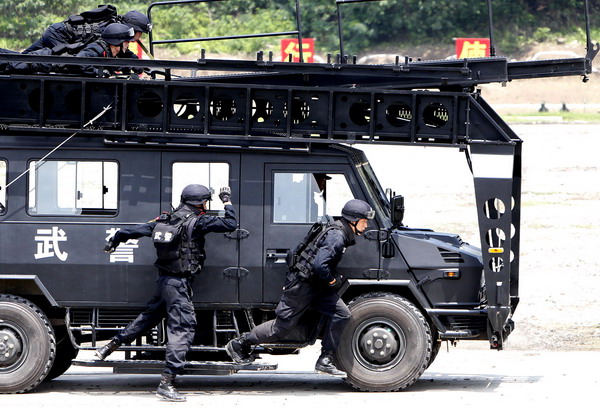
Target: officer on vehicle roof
(82, 29)
(317, 292)
(138, 21)
(114, 43)
(179, 241)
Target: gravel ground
(560, 225)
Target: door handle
(278, 255)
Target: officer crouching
(179, 241)
(113, 43)
(318, 292)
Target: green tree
(390, 23)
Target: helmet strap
(353, 224)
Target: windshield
(381, 202)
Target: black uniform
(55, 35)
(98, 48)
(173, 294)
(19, 67)
(101, 49)
(300, 295)
(78, 29)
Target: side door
(296, 196)
(218, 282)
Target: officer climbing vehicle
(81, 156)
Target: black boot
(325, 365)
(107, 349)
(166, 389)
(239, 350)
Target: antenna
(491, 26)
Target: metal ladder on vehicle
(224, 323)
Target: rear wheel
(27, 345)
(387, 344)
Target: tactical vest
(302, 257)
(178, 254)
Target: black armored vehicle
(82, 156)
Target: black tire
(437, 345)
(387, 344)
(65, 353)
(27, 345)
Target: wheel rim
(13, 347)
(378, 344)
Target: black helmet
(195, 194)
(116, 33)
(355, 210)
(138, 21)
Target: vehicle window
(2, 186)
(212, 175)
(61, 187)
(307, 197)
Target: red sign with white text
(472, 47)
(289, 46)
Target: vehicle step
(192, 367)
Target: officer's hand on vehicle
(110, 246)
(225, 194)
(335, 284)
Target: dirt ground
(553, 92)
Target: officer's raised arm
(125, 234)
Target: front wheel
(65, 353)
(387, 344)
(27, 345)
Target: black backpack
(300, 260)
(91, 23)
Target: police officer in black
(179, 241)
(318, 292)
(138, 21)
(114, 43)
(79, 30)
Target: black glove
(110, 246)
(225, 194)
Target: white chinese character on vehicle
(48, 243)
(124, 252)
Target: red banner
(472, 47)
(289, 46)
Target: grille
(102, 317)
(474, 323)
(451, 257)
